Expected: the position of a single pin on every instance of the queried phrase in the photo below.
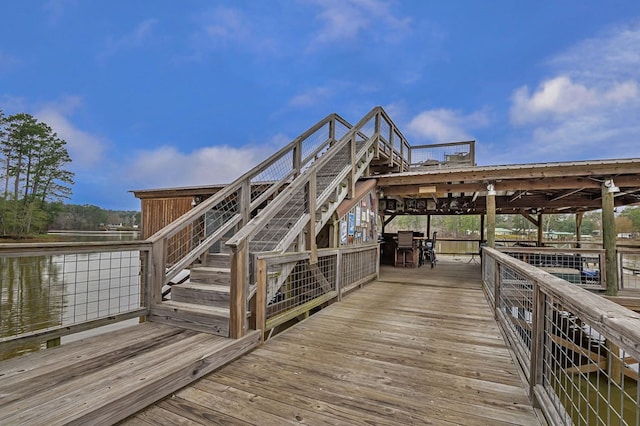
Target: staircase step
(206, 319)
(210, 275)
(201, 294)
(218, 260)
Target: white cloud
(168, 167)
(560, 96)
(590, 106)
(136, 38)
(445, 125)
(86, 150)
(347, 20)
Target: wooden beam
(491, 220)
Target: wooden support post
(158, 262)
(376, 145)
(392, 135)
(244, 203)
(352, 173)
(609, 241)
(339, 274)
(491, 220)
(238, 291)
(615, 364)
(297, 158)
(579, 216)
(428, 227)
(310, 242)
(540, 230)
(481, 228)
(258, 301)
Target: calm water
(48, 291)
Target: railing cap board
(40, 249)
(616, 322)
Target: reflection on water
(56, 290)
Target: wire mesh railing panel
(580, 267)
(355, 266)
(385, 130)
(448, 155)
(516, 303)
(192, 236)
(274, 173)
(630, 270)
(52, 291)
(300, 282)
(588, 378)
(315, 140)
(488, 275)
(397, 141)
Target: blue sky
(153, 94)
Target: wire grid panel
(358, 265)
(274, 173)
(576, 268)
(40, 292)
(630, 270)
(589, 379)
(303, 283)
(456, 154)
(190, 238)
(488, 274)
(385, 129)
(516, 303)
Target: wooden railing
(183, 241)
(361, 142)
(56, 289)
(629, 273)
(304, 285)
(454, 154)
(578, 351)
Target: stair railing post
(536, 367)
(352, 173)
(158, 266)
(297, 158)
(238, 291)
(258, 303)
(311, 207)
(392, 146)
(376, 147)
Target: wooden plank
(90, 400)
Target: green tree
(33, 171)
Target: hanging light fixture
(491, 189)
(611, 186)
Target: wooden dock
(419, 346)
(105, 378)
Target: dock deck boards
(105, 378)
(419, 346)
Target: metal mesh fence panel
(303, 283)
(588, 378)
(357, 265)
(516, 303)
(488, 274)
(630, 270)
(42, 292)
(578, 268)
(457, 154)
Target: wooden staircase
(202, 302)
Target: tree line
(33, 174)
(468, 226)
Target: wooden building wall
(159, 212)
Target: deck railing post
(352, 173)
(158, 266)
(339, 274)
(310, 242)
(258, 301)
(238, 291)
(496, 288)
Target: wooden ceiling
(567, 187)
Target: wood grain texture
(104, 379)
(418, 346)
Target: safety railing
(629, 273)
(183, 241)
(393, 145)
(303, 285)
(455, 154)
(578, 351)
(52, 290)
(584, 267)
(293, 219)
